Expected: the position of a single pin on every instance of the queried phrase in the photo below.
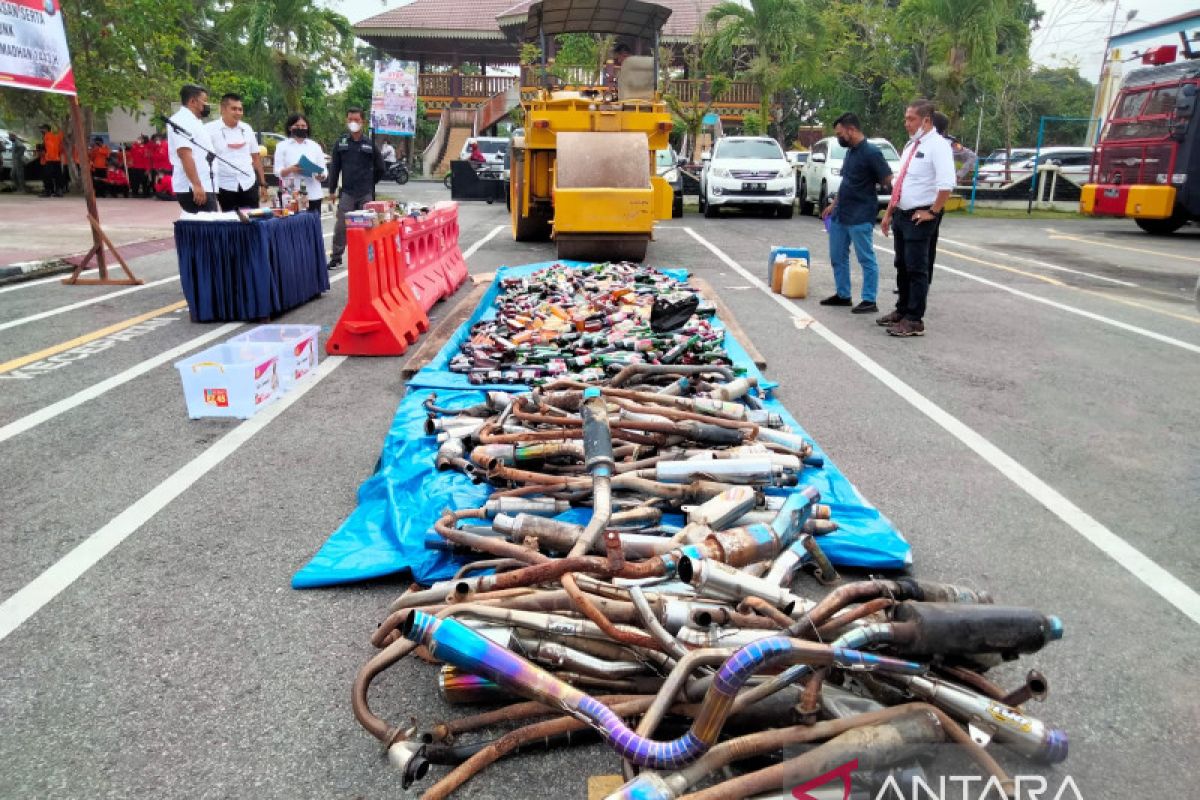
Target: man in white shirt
(388, 152)
(240, 180)
(919, 193)
(188, 147)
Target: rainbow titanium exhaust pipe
(456, 644)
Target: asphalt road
(1039, 442)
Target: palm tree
(769, 41)
(972, 33)
(286, 34)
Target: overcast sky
(1073, 31)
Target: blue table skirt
(249, 272)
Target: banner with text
(394, 98)
(33, 47)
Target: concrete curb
(29, 270)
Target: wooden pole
(99, 240)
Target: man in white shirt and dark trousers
(188, 146)
(919, 193)
(240, 179)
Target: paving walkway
(38, 229)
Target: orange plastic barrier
(382, 316)
(453, 265)
(420, 243)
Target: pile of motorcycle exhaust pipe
(687, 649)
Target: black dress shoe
(837, 300)
(864, 308)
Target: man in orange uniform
(52, 152)
(98, 156)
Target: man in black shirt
(360, 166)
(852, 214)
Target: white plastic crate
(296, 346)
(230, 380)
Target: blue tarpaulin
(398, 505)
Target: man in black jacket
(359, 165)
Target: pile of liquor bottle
(563, 322)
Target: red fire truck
(1147, 165)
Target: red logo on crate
(216, 397)
(262, 368)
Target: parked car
(747, 172)
(822, 173)
(31, 156)
(798, 158)
(493, 148)
(1075, 163)
(666, 163)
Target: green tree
(771, 42)
(293, 37)
(965, 37)
(689, 112)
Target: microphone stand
(210, 156)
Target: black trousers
(933, 246)
(913, 262)
(138, 183)
(232, 200)
(188, 203)
(52, 178)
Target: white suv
(822, 173)
(747, 171)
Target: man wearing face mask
(852, 215)
(188, 146)
(359, 165)
(240, 179)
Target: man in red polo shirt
(139, 168)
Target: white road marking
(1054, 234)
(1159, 580)
(92, 392)
(28, 600)
(82, 303)
(1125, 326)
(58, 278)
(37, 282)
(473, 249)
(1041, 263)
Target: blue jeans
(840, 237)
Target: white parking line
(1041, 263)
(1163, 583)
(92, 392)
(53, 410)
(1125, 326)
(31, 598)
(82, 303)
(473, 249)
(37, 282)
(28, 600)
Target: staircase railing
(451, 117)
(495, 109)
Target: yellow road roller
(583, 173)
